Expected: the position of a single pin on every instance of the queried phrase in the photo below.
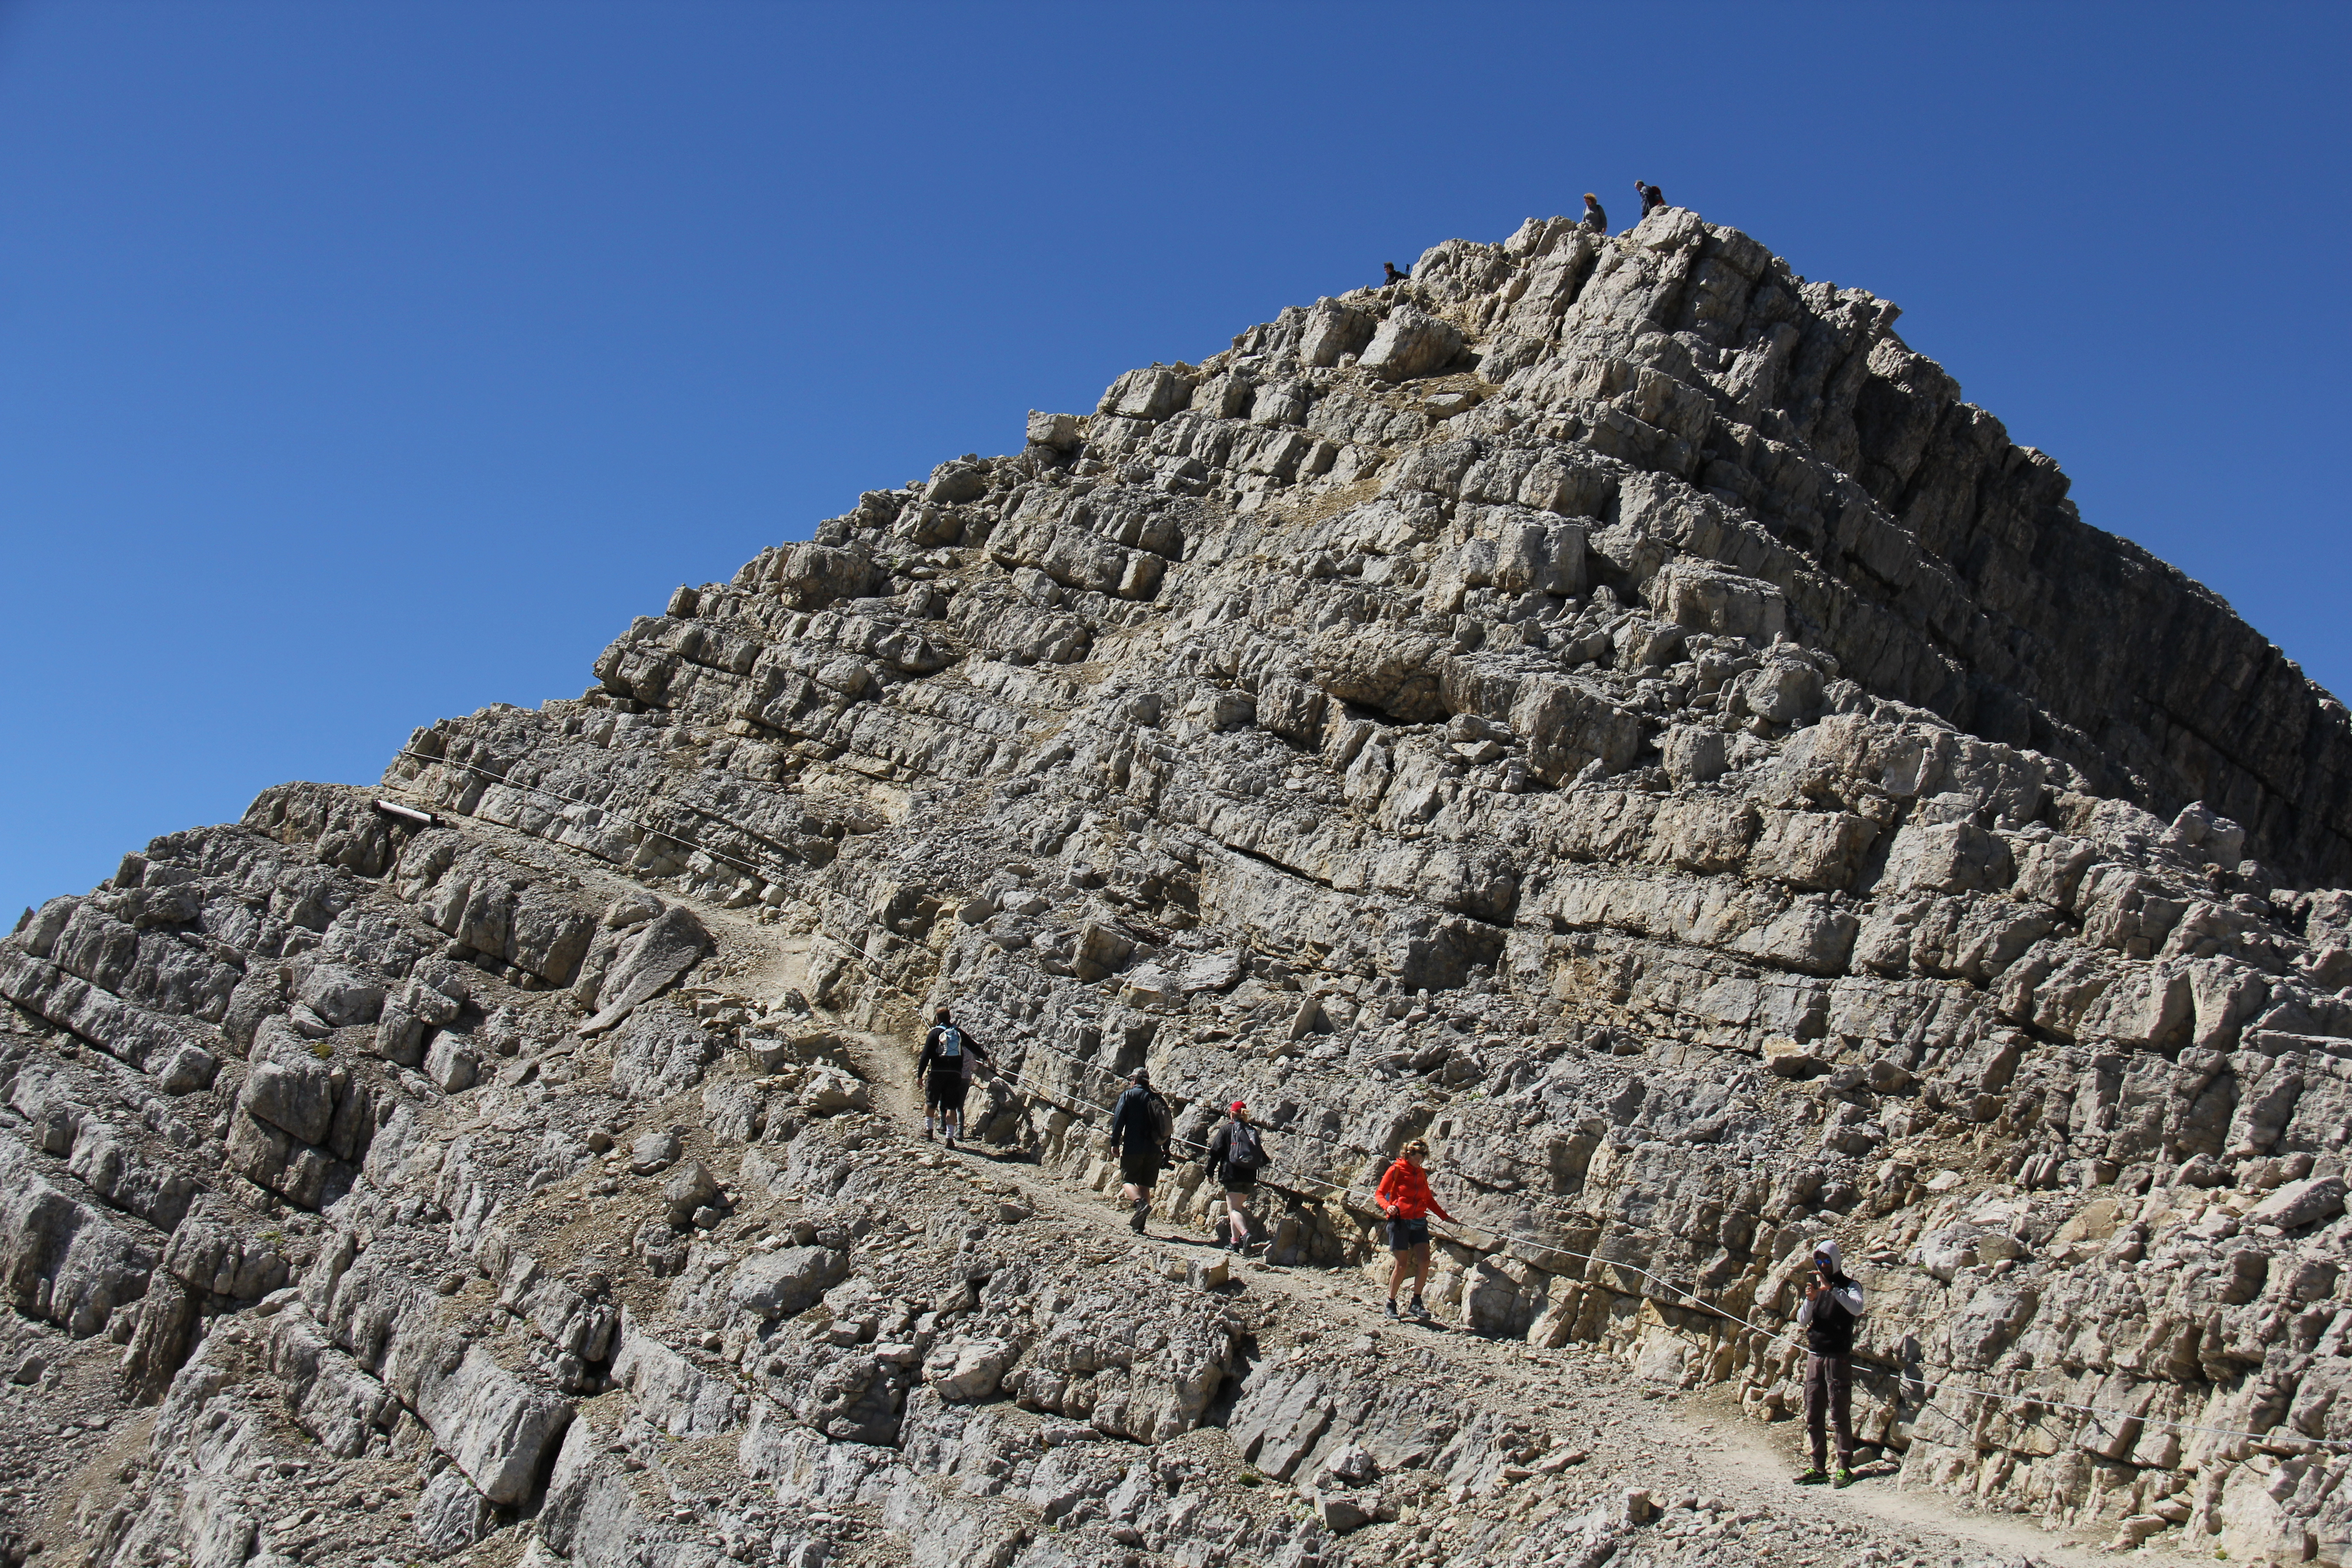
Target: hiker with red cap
(1405, 1196)
(1235, 1155)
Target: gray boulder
(654, 1152)
(1332, 330)
(2300, 1204)
(829, 1091)
(1412, 343)
(690, 1186)
(968, 1370)
(649, 961)
(290, 1089)
(341, 995)
(453, 1063)
(779, 1284)
(451, 1515)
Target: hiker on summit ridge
(1405, 1196)
(1653, 198)
(949, 1059)
(1595, 219)
(1140, 1128)
(1235, 1154)
(1833, 1303)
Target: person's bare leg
(1419, 1269)
(1238, 1213)
(1396, 1274)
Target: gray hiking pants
(1829, 1397)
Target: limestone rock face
(1605, 705)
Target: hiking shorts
(1404, 1235)
(1140, 1167)
(945, 1092)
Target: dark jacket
(946, 1066)
(1136, 1121)
(1236, 1175)
(1828, 1318)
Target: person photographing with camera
(1832, 1304)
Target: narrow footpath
(1693, 1449)
(1675, 1444)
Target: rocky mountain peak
(1604, 706)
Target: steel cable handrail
(1701, 1303)
(1927, 1401)
(764, 873)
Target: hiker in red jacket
(1405, 1196)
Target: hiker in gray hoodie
(1833, 1306)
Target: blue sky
(361, 365)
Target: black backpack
(1245, 1151)
(1149, 1114)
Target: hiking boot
(1844, 1477)
(951, 1140)
(1134, 1220)
(1813, 1476)
(1392, 1311)
(1418, 1310)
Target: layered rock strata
(1606, 706)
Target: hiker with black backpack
(1140, 1125)
(944, 1069)
(1236, 1153)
